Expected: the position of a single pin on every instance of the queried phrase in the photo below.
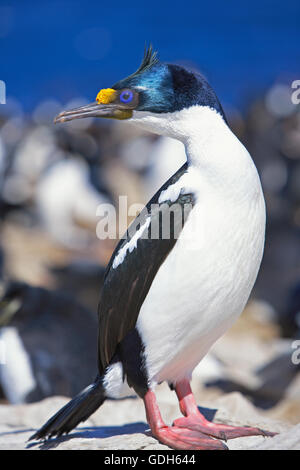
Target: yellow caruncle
(106, 95)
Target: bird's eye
(126, 96)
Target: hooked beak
(110, 110)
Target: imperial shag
(166, 299)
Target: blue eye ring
(126, 96)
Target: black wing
(126, 286)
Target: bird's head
(155, 97)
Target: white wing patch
(172, 193)
(131, 245)
(189, 182)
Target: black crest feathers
(149, 59)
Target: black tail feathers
(77, 410)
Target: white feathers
(131, 244)
(113, 382)
(204, 283)
(166, 157)
(139, 87)
(172, 193)
(206, 280)
(188, 183)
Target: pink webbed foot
(187, 439)
(195, 421)
(220, 431)
(177, 437)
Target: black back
(126, 286)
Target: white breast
(206, 280)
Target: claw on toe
(223, 436)
(267, 433)
(219, 431)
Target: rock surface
(121, 424)
(261, 370)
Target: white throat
(210, 147)
(195, 121)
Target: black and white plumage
(165, 301)
(129, 276)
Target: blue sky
(62, 49)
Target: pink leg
(195, 421)
(176, 437)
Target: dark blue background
(50, 49)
